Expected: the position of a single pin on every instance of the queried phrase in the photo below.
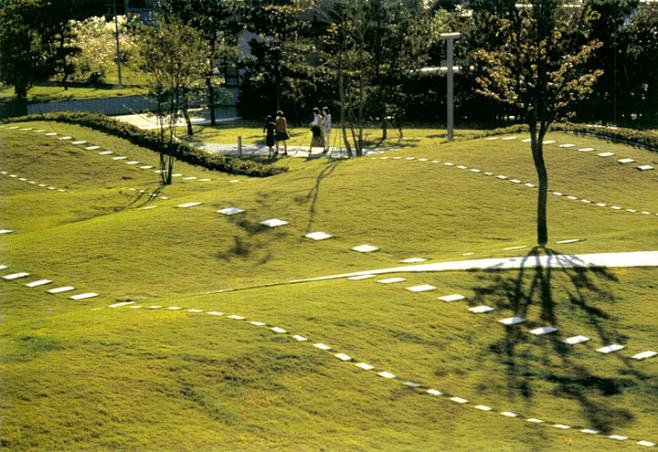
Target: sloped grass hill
(80, 375)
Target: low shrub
(149, 139)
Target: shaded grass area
(78, 375)
(38, 94)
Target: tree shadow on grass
(531, 361)
(311, 197)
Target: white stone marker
(255, 323)
(189, 204)
(616, 207)
(569, 241)
(515, 181)
(453, 297)
(562, 426)
(488, 173)
(412, 384)
(121, 157)
(509, 414)
(79, 142)
(462, 167)
(343, 357)
(15, 276)
(411, 158)
(543, 330)
(501, 177)
(6, 231)
(365, 248)
(413, 260)
(590, 431)
(645, 355)
(84, 296)
(278, 330)
(423, 160)
(132, 162)
(645, 167)
(481, 309)
(118, 305)
(208, 180)
(273, 223)
(421, 288)
(646, 443)
(567, 145)
(475, 170)
(386, 375)
(509, 138)
(618, 437)
(230, 211)
(51, 134)
(215, 313)
(527, 140)
(515, 247)
(146, 167)
(534, 420)
(105, 153)
(549, 142)
(155, 307)
(576, 340)
(512, 320)
(66, 138)
(483, 407)
(435, 392)
(449, 164)
(318, 236)
(61, 289)
(300, 338)
(174, 308)
(557, 193)
(622, 161)
(235, 317)
(92, 148)
(2, 267)
(322, 346)
(458, 400)
(601, 204)
(606, 154)
(190, 178)
(358, 278)
(194, 310)
(391, 280)
(586, 150)
(41, 282)
(364, 366)
(610, 348)
(491, 138)
(572, 197)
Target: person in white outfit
(325, 123)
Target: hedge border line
(149, 139)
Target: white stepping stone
(15, 276)
(136, 307)
(475, 170)
(483, 407)
(645, 167)
(174, 308)
(543, 330)
(481, 309)
(631, 210)
(562, 426)
(92, 148)
(586, 150)
(105, 153)
(358, 278)
(189, 204)
(462, 167)
(606, 154)
(601, 204)
(155, 307)
(586, 201)
(509, 414)
(195, 310)
(41, 282)
(501, 177)
(148, 207)
(622, 161)
(42, 185)
(66, 138)
(515, 247)
(468, 254)
(300, 338)
(365, 248)
(51, 134)
(527, 140)
(278, 330)
(576, 340)
(646, 443)
(208, 180)
(421, 288)
(132, 162)
(176, 175)
(190, 178)
(512, 320)
(453, 297)
(645, 355)
(343, 357)
(411, 158)
(215, 313)
(124, 303)
(568, 145)
(146, 167)
(589, 431)
(423, 160)
(235, 317)
(529, 185)
(569, 241)
(391, 280)
(61, 289)
(2, 267)
(557, 193)
(230, 211)
(413, 260)
(386, 375)
(22, 179)
(322, 346)
(534, 420)
(364, 366)
(79, 142)
(449, 164)
(509, 138)
(610, 348)
(6, 231)
(255, 323)
(488, 173)
(84, 296)
(458, 400)
(318, 236)
(491, 138)
(121, 157)
(412, 384)
(273, 223)
(435, 392)
(618, 437)
(616, 207)
(549, 142)
(515, 181)
(572, 197)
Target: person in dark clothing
(270, 129)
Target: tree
(538, 66)
(174, 57)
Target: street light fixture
(450, 37)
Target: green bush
(149, 139)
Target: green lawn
(79, 375)
(39, 94)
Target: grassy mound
(80, 375)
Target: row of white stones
(27, 180)
(45, 282)
(89, 147)
(510, 321)
(519, 182)
(569, 146)
(385, 374)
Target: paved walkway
(632, 259)
(293, 151)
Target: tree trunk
(542, 195)
(341, 92)
(186, 114)
(384, 127)
(21, 99)
(211, 101)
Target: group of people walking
(277, 131)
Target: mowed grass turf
(78, 375)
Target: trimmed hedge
(150, 140)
